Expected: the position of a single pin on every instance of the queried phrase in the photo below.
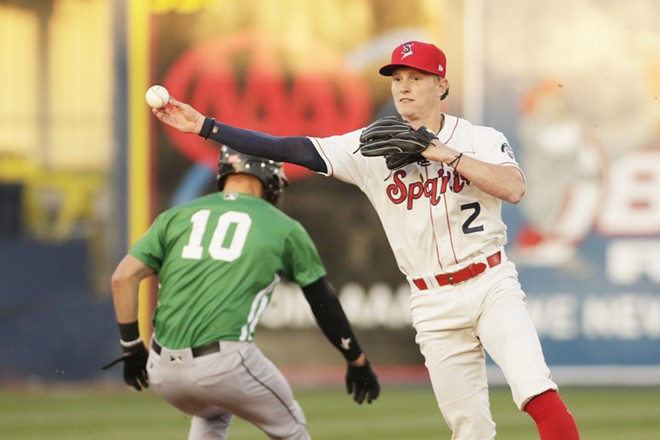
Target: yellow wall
(18, 80)
(56, 111)
(80, 74)
(56, 99)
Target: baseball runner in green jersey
(218, 259)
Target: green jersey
(218, 259)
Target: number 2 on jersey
(218, 249)
(468, 227)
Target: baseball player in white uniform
(442, 216)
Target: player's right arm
(297, 150)
(125, 282)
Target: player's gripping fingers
(402, 143)
(385, 128)
(135, 368)
(373, 394)
(391, 122)
(408, 144)
(363, 381)
(368, 394)
(381, 147)
(137, 379)
(400, 160)
(132, 382)
(179, 115)
(142, 378)
(372, 388)
(384, 131)
(424, 136)
(360, 393)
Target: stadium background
(84, 168)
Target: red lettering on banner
(242, 80)
(632, 205)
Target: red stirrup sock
(553, 419)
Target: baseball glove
(399, 160)
(395, 139)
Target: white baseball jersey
(435, 220)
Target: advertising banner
(573, 85)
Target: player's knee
(470, 427)
(469, 419)
(300, 433)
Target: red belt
(464, 274)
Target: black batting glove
(362, 381)
(135, 366)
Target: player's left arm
(361, 381)
(332, 320)
(505, 182)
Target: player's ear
(442, 87)
(439, 85)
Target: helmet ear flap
(224, 169)
(220, 182)
(274, 189)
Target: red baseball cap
(421, 56)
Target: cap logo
(407, 50)
(508, 150)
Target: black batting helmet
(268, 171)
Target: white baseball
(157, 96)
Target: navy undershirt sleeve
(298, 150)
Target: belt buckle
(450, 278)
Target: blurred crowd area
(66, 79)
(57, 119)
(65, 82)
(84, 167)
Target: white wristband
(129, 344)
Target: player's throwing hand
(180, 116)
